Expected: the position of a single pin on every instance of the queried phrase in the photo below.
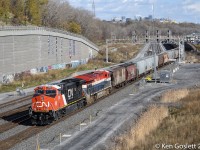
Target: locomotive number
(42, 104)
(70, 93)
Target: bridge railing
(18, 28)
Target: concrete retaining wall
(25, 48)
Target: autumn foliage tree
(74, 27)
(4, 10)
(61, 15)
(33, 11)
(18, 11)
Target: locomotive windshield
(38, 92)
(50, 92)
(46, 92)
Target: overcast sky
(179, 10)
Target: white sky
(179, 10)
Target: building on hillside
(193, 38)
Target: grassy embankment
(120, 52)
(53, 75)
(178, 123)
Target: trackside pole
(38, 144)
(90, 119)
(60, 138)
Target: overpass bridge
(30, 48)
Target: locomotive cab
(46, 100)
(50, 102)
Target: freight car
(145, 65)
(150, 63)
(171, 54)
(162, 59)
(131, 71)
(51, 101)
(118, 75)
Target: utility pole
(93, 8)
(183, 48)
(179, 49)
(107, 50)
(154, 43)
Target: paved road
(96, 134)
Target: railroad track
(14, 123)
(14, 117)
(34, 130)
(31, 131)
(3, 115)
(10, 103)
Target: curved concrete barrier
(28, 47)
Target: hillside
(55, 14)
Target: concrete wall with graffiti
(40, 49)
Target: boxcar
(131, 71)
(118, 75)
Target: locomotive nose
(39, 98)
(42, 103)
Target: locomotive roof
(72, 80)
(89, 77)
(48, 86)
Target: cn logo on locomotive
(70, 93)
(42, 104)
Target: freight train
(50, 102)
